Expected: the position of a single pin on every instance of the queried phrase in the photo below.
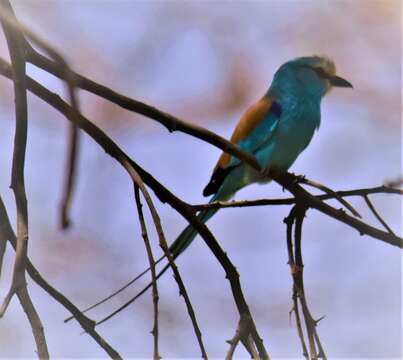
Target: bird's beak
(339, 82)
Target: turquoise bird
(276, 129)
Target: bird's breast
(295, 129)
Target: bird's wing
(255, 127)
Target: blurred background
(206, 61)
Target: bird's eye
(320, 72)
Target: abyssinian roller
(275, 129)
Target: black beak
(339, 82)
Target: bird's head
(312, 74)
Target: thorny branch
(242, 333)
(151, 260)
(291, 201)
(21, 51)
(376, 214)
(138, 183)
(295, 262)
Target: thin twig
(118, 291)
(289, 221)
(379, 217)
(298, 321)
(291, 201)
(327, 190)
(242, 333)
(129, 302)
(35, 322)
(298, 273)
(73, 149)
(316, 349)
(4, 236)
(289, 182)
(150, 256)
(70, 177)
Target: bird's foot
(298, 178)
(265, 173)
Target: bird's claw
(265, 172)
(298, 178)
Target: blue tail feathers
(186, 237)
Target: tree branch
(290, 201)
(376, 214)
(18, 283)
(327, 190)
(316, 351)
(151, 260)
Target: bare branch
(316, 351)
(288, 181)
(327, 190)
(20, 141)
(70, 176)
(372, 208)
(291, 201)
(35, 321)
(150, 256)
(18, 284)
(242, 333)
(100, 302)
(289, 221)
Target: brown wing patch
(246, 124)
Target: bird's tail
(188, 234)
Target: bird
(276, 130)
